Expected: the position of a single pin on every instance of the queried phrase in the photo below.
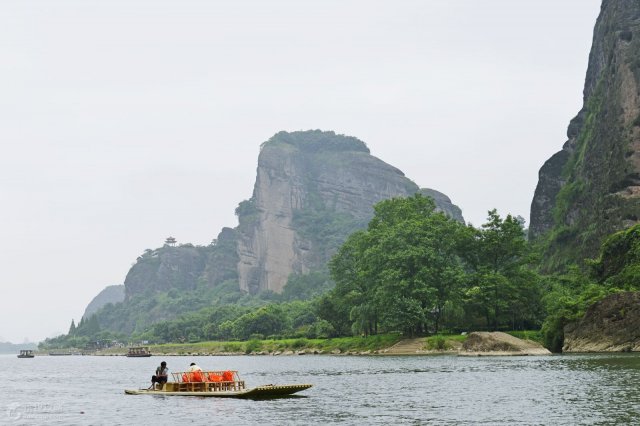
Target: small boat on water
(26, 353)
(221, 384)
(59, 353)
(139, 351)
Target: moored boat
(26, 353)
(222, 384)
(138, 351)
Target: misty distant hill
(111, 294)
(14, 348)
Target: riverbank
(384, 344)
(301, 346)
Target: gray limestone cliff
(111, 294)
(592, 186)
(312, 190)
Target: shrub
(253, 345)
(299, 343)
(232, 347)
(437, 343)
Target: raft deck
(266, 391)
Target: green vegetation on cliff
(318, 140)
(568, 296)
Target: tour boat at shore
(138, 351)
(216, 384)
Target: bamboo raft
(222, 384)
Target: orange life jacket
(213, 377)
(227, 376)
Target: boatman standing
(161, 376)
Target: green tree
(567, 298)
(88, 328)
(302, 287)
(267, 320)
(350, 302)
(332, 311)
(503, 287)
(401, 272)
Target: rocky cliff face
(592, 186)
(610, 325)
(312, 189)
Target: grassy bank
(353, 345)
(341, 344)
(444, 342)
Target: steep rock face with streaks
(312, 190)
(592, 186)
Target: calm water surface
(568, 389)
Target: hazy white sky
(124, 122)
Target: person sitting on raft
(194, 374)
(161, 376)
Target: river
(350, 390)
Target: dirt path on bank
(407, 347)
